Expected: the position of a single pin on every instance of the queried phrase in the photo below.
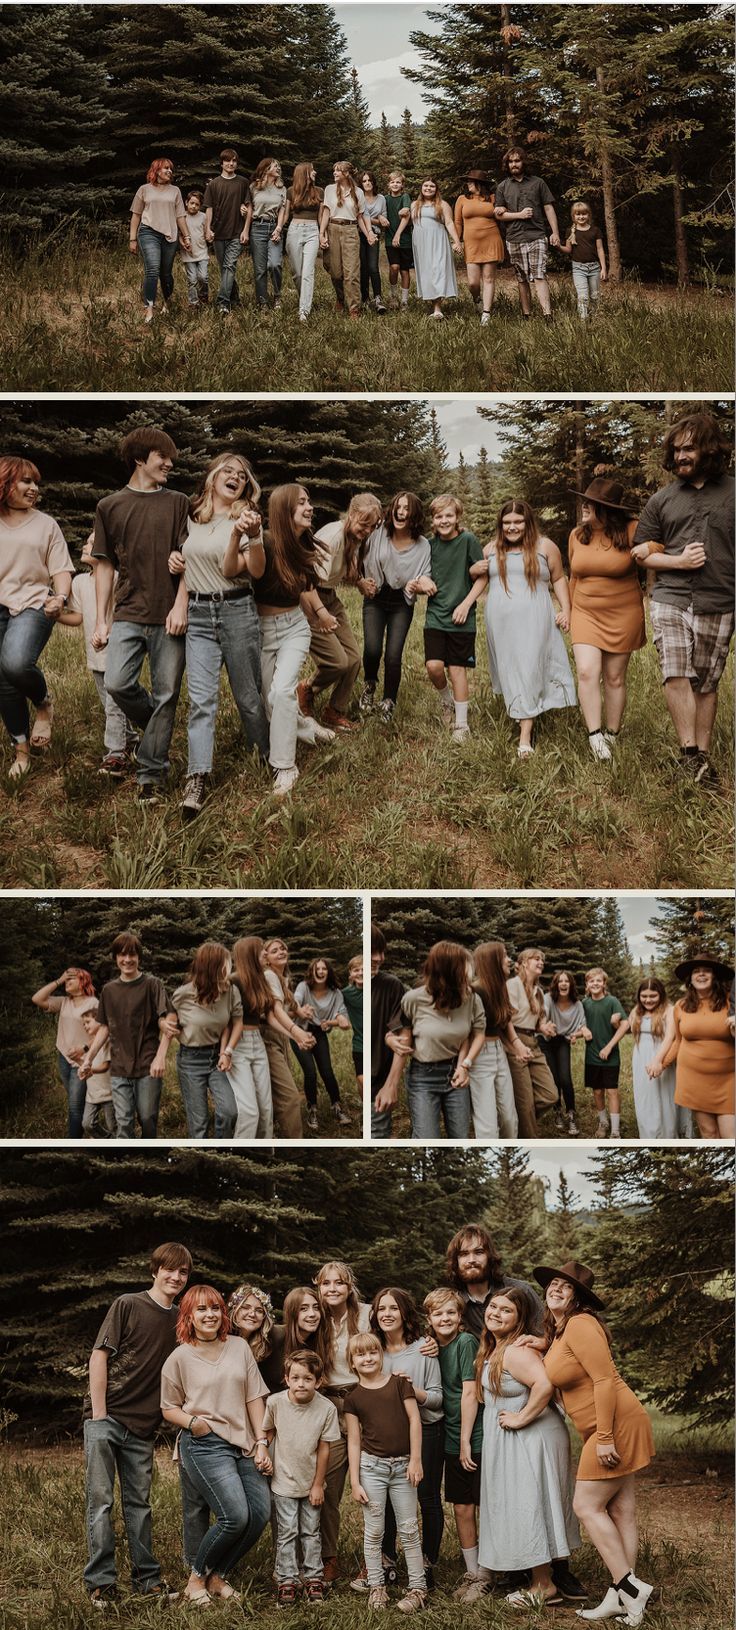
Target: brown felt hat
(702, 959)
(602, 491)
(577, 1275)
(475, 175)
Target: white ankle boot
(609, 1608)
(635, 1606)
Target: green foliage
(685, 926)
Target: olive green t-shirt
(598, 1015)
(450, 570)
(457, 1364)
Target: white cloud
(383, 85)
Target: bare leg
(525, 298)
(614, 687)
(591, 1503)
(459, 683)
(622, 1511)
(542, 1580)
(726, 1127)
(489, 284)
(589, 665)
(467, 1527)
(526, 727)
(705, 717)
(473, 271)
(541, 289)
(614, 1100)
(680, 698)
(436, 672)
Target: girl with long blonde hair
(342, 218)
(265, 218)
(534, 1085)
(337, 653)
(345, 1316)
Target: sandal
(197, 1598)
(41, 736)
(20, 766)
(534, 1599)
(524, 751)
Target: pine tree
(685, 925)
(613, 950)
(409, 152)
(517, 1217)
(22, 971)
(438, 450)
(361, 132)
(486, 501)
(385, 151)
(563, 1223)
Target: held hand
(522, 1053)
(327, 621)
(317, 1494)
(608, 1454)
(370, 238)
(461, 1077)
(209, 235)
(176, 563)
(359, 1495)
(563, 621)
(248, 523)
(306, 1012)
(176, 622)
(397, 1044)
(224, 1062)
(75, 1055)
(53, 606)
(654, 1070)
(693, 556)
(186, 244)
(547, 1028)
(262, 1461)
(324, 242)
(276, 235)
(554, 241)
(368, 587)
(83, 1070)
(100, 636)
(303, 1039)
(414, 1473)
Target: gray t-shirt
(204, 552)
(202, 1026)
(373, 208)
(531, 192)
(439, 1036)
(423, 1372)
(396, 567)
(300, 1428)
(565, 1020)
(329, 1006)
(680, 514)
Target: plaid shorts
(529, 260)
(691, 645)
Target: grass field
(685, 1513)
(398, 807)
(44, 1114)
(76, 326)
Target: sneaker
(367, 700)
(287, 1594)
(321, 735)
(560, 1121)
(336, 720)
(460, 732)
(360, 1582)
(599, 746)
(479, 1588)
(115, 765)
(565, 1580)
(704, 770)
(159, 1593)
(148, 792)
(313, 1590)
(305, 699)
(195, 792)
(386, 710)
(377, 1598)
(103, 1596)
(485, 318)
(413, 1601)
(464, 1586)
(312, 1121)
(284, 781)
(573, 1131)
(342, 1118)
(689, 761)
(380, 307)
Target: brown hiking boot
(337, 721)
(305, 699)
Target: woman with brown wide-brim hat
(475, 224)
(703, 1045)
(607, 621)
(616, 1432)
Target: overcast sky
(378, 43)
(549, 1161)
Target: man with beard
(686, 536)
(526, 206)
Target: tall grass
(387, 807)
(73, 323)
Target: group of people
(237, 1019)
(346, 222)
(486, 1047)
(200, 582)
(476, 1387)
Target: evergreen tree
(685, 925)
(461, 486)
(385, 151)
(438, 451)
(613, 950)
(564, 1230)
(25, 923)
(409, 152)
(516, 1218)
(361, 125)
(486, 500)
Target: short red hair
(85, 981)
(12, 470)
(199, 1296)
(156, 166)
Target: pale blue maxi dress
(526, 1515)
(657, 1114)
(435, 267)
(527, 659)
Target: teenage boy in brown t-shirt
(136, 530)
(225, 200)
(121, 1416)
(131, 1014)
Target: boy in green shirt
(449, 628)
(605, 1017)
(398, 237)
(457, 1354)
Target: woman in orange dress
(607, 621)
(475, 224)
(615, 1428)
(703, 1045)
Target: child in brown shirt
(384, 1454)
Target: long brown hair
(707, 436)
(551, 1329)
(352, 1306)
(419, 201)
(303, 189)
(554, 989)
(718, 997)
(490, 978)
(471, 1230)
(207, 970)
(533, 991)
(529, 542)
(414, 514)
(257, 995)
(261, 171)
(615, 526)
(492, 1348)
(446, 975)
(410, 1322)
(658, 1018)
(201, 506)
(294, 554)
(332, 981)
(345, 183)
(321, 1342)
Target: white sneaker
(320, 733)
(609, 1608)
(466, 1583)
(573, 1129)
(460, 732)
(599, 746)
(284, 781)
(485, 318)
(477, 1589)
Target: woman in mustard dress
(703, 1046)
(475, 224)
(607, 621)
(616, 1432)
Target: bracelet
(260, 1441)
(191, 1423)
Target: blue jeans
(136, 1096)
(432, 1100)
(237, 1494)
(387, 616)
(153, 712)
(297, 1521)
(198, 1075)
(385, 1479)
(196, 273)
(268, 258)
(586, 275)
(228, 252)
(22, 639)
(76, 1093)
(110, 1447)
(429, 1495)
(223, 632)
(158, 256)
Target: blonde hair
(533, 991)
(440, 1298)
(443, 501)
(363, 1342)
(345, 182)
(345, 1273)
(355, 962)
(396, 175)
(202, 506)
(579, 203)
(603, 974)
(362, 504)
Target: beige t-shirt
(341, 1374)
(29, 556)
(70, 1032)
(345, 211)
(439, 1036)
(202, 1026)
(204, 552)
(331, 564)
(99, 1087)
(159, 208)
(218, 1390)
(300, 1428)
(523, 1016)
(267, 201)
(83, 598)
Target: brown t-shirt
(269, 589)
(131, 1009)
(584, 248)
(224, 196)
(138, 1335)
(384, 1423)
(136, 532)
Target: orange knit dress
(476, 227)
(599, 1403)
(607, 602)
(704, 1049)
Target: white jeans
(302, 248)
(492, 1092)
(284, 647)
(250, 1079)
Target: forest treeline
(79, 1227)
(628, 105)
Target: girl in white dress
(651, 1022)
(433, 240)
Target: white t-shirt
(346, 210)
(84, 600)
(330, 566)
(300, 1428)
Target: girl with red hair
(158, 220)
(211, 1390)
(35, 584)
(77, 999)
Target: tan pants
(534, 1087)
(337, 1471)
(337, 655)
(342, 261)
(287, 1099)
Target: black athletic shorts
(456, 649)
(461, 1487)
(403, 256)
(602, 1077)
